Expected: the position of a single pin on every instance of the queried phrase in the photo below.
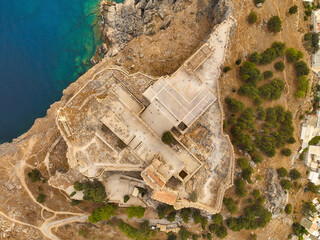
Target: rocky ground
(174, 38)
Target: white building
(313, 157)
(310, 129)
(314, 177)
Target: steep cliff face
(176, 29)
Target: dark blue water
(44, 46)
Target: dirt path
(284, 60)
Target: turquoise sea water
(44, 46)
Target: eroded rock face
(276, 196)
(123, 22)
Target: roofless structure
(116, 120)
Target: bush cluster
(102, 213)
(255, 216)
(93, 191)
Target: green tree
(193, 196)
(279, 48)
(217, 218)
(93, 191)
(126, 198)
(133, 211)
(257, 158)
(171, 236)
(288, 209)
(279, 66)
(294, 174)
(102, 213)
(301, 68)
(252, 18)
(256, 193)
(293, 55)
(267, 74)
(34, 175)
(268, 55)
(185, 214)
(172, 216)
(298, 230)
(249, 72)
(243, 162)
(293, 9)
(247, 173)
(167, 138)
(226, 69)
(230, 205)
(234, 105)
(255, 57)
(313, 188)
(184, 233)
(221, 232)
(308, 207)
(286, 152)
(163, 210)
(274, 24)
(303, 86)
(240, 187)
(286, 184)
(282, 172)
(272, 90)
(41, 198)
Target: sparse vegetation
(226, 69)
(142, 233)
(34, 175)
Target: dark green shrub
(288, 209)
(293, 55)
(286, 152)
(293, 9)
(230, 205)
(243, 163)
(279, 66)
(34, 175)
(274, 24)
(234, 105)
(252, 18)
(255, 57)
(185, 214)
(217, 218)
(226, 69)
(133, 211)
(238, 62)
(102, 213)
(272, 90)
(286, 184)
(240, 187)
(301, 68)
(126, 198)
(167, 138)
(282, 172)
(294, 174)
(267, 75)
(41, 198)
